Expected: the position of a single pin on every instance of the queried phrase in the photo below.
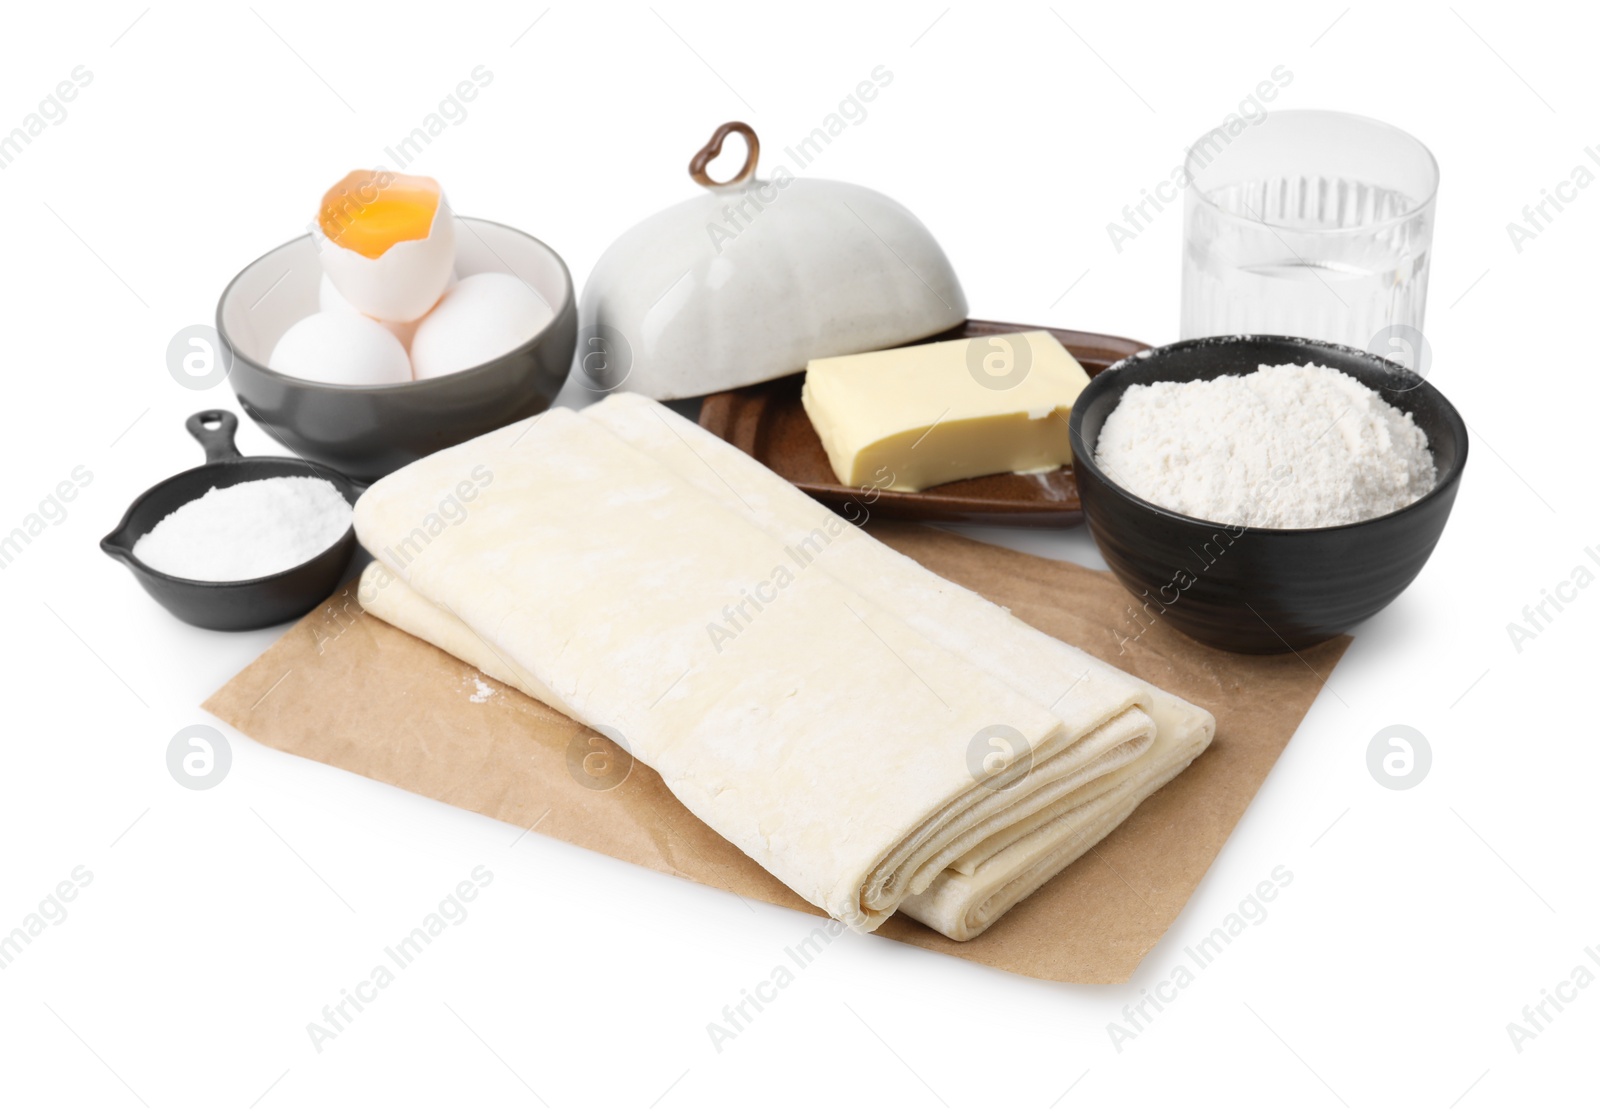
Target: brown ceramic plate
(767, 422)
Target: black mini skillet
(231, 606)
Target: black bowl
(1261, 590)
(367, 431)
(242, 605)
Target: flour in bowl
(1287, 446)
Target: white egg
(329, 298)
(336, 347)
(482, 317)
(387, 242)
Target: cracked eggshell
(329, 298)
(402, 284)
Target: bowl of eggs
(395, 328)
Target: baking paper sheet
(346, 689)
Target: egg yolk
(369, 212)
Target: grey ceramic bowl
(1261, 590)
(366, 432)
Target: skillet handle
(214, 430)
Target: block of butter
(908, 419)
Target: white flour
(1288, 446)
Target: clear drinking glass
(1310, 223)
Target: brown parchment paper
(347, 689)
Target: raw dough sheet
(823, 702)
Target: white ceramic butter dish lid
(755, 277)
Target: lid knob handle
(702, 158)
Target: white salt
(248, 530)
(1287, 446)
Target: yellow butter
(908, 419)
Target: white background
(219, 923)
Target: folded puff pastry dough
(833, 730)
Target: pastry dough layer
(811, 694)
